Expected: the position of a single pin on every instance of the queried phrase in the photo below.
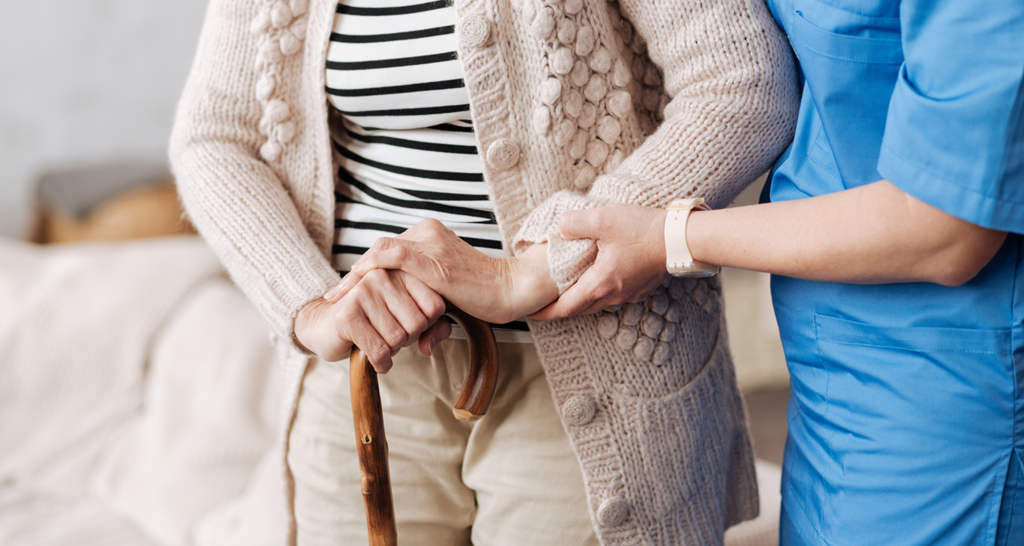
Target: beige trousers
(509, 479)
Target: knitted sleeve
(722, 77)
(234, 197)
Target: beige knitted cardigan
(575, 103)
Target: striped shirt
(401, 130)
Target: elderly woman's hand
(630, 260)
(385, 311)
(497, 290)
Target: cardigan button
(473, 31)
(578, 410)
(502, 154)
(612, 511)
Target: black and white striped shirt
(401, 129)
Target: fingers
(379, 256)
(581, 224)
(364, 335)
(428, 230)
(386, 253)
(427, 306)
(351, 279)
(438, 332)
(586, 296)
(371, 315)
(385, 312)
(599, 287)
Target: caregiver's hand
(870, 234)
(630, 260)
(497, 290)
(383, 312)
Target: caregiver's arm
(871, 234)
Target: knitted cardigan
(575, 103)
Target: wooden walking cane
(371, 444)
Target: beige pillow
(151, 211)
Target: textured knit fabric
(575, 103)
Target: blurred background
(138, 389)
(86, 83)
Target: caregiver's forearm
(871, 234)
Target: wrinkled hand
(630, 260)
(497, 290)
(383, 312)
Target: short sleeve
(954, 135)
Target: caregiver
(894, 233)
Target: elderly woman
(308, 129)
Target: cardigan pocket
(689, 450)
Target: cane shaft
(372, 447)
(368, 418)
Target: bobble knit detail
(607, 325)
(647, 330)
(281, 27)
(625, 338)
(578, 59)
(632, 313)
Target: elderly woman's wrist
(532, 285)
(306, 321)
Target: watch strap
(678, 260)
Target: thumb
(577, 298)
(384, 254)
(579, 224)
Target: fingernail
(346, 283)
(338, 289)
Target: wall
(84, 82)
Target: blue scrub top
(907, 420)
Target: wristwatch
(678, 260)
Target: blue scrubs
(906, 423)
